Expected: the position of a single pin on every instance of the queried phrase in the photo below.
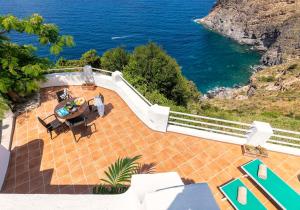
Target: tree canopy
(115, 59)
(150, 69)
(21, 69)
(90, 57)
(153, 71)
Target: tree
(115, 59)
(21, 69)
(150, 69)
(3, 106)
(91, 58)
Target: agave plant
(118, 176)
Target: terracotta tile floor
(41, 165)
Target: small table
(80, 109)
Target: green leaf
(119, 173)
(55, 49)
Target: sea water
(207, 58)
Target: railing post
(116, 76)
(159, 116)
(259, 133)
(88, 75)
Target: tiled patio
(41, 165)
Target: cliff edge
(270, 26)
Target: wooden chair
(75, 122)
(51, 126)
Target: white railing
(285, 137)
(136, 91)
(103, 71)
(209, 124)
(65, 69)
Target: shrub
(115, 59)
(150, 67)
(91, 58)
(267, 79)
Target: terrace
(40, 165)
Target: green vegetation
(20, 69)
(88, 58)
(276, 99)
(115, 59)
(267, 79)
(149, 69)
(153, 72)
(118, 176)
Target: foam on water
(121, 37)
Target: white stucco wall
(4, 160)
(133, 100)
(130, 200)
(125, 201)
(6, 137)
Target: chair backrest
(63, 95)
(101, 97)
(42, 122)
(76, 121)
(60, 95)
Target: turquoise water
(207, 58)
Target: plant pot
(253, 151)
(89, 86)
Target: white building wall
(6, 136)
(4, 160)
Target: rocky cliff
(270, 26)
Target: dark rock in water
(237, 86)
(219, 92)
(257, 68)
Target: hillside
(273, 28)
(273, 95)
(270, 26)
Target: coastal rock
(270, 26)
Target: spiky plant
(118, 176)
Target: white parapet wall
(157, 117)
(68, 202)
(7, 128)
(4, 160)
(154, 116)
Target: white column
(116, 76)
(88, 75)
(259, 133)
(159, 116)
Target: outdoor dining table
(80, 109)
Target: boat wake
(196, 20)
(122, 37)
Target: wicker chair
(63, 95)
(51, 126)
(75, 122)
